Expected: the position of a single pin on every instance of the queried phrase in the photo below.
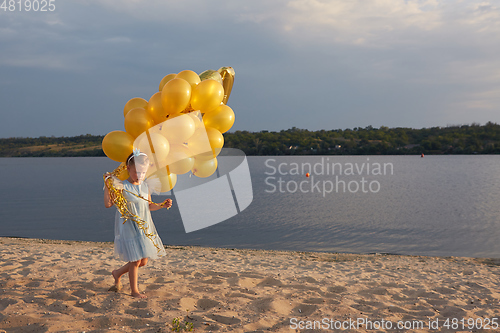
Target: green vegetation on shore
(460, 139)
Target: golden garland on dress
(121, 204)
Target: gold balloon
(207, 95)
(215, 137)
(175, 96)
(210, 74)
(180, 160)
(190, 77)
(198, 143)
(135, 102)
(118, 145)
(222, 118)
(178, 129)
(165, 79)
(204, 168)
(137, 121)
(155, 108)
(206, 143)
(168, 181)
(156, 146)
(227, 74)
(196, 115)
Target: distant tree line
(82, 145)
(459, 139)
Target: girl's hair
(140, 159)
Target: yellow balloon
(156, 146)
(180, 160)
(135, 102)
(206, 143)
(196, 115)
(210, 74)
(155, 108)
(175, 96)
(178, 129)
(118, 145)
(215, 137)
(207, 95)
(222, 118)
(137, 121)
(190, 77)
(227, 74)
(168, 181)
(198, 143)
(165, 79)
(204, 168)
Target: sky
(299, 63)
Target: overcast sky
(304, 63)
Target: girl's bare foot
(139, 295)
(118, 285)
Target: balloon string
(121, 204)
(151, 202)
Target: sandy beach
(62, 286)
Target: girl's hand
(166, 204)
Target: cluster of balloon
(180, 127)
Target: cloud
(360, 22)
(303, 63)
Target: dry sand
(62, 286)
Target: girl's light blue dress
(131, 244)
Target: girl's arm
(108, 202)
(166, 204)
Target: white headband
(136, 153)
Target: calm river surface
(437, 205)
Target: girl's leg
(132, 275)
(117, 273)
(144, 261)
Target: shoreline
(484, 260)
(61, 286)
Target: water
(437, 205)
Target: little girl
(131, 243)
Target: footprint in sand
(373, 291)
(261, 305)
(225, 320)
(102, 272)
(304, 310)
(171, 304)
(61, 294)
(206, 304)
(154, 286)
(61, 307)
(33, 284)
(270, 282)
(5, 302)
(314, 300)
(140, 313)
(34, 300)
(213, 280)
(139, 304)
(83, 294)
(88, 307)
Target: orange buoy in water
(307, 175)
(422, 155)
